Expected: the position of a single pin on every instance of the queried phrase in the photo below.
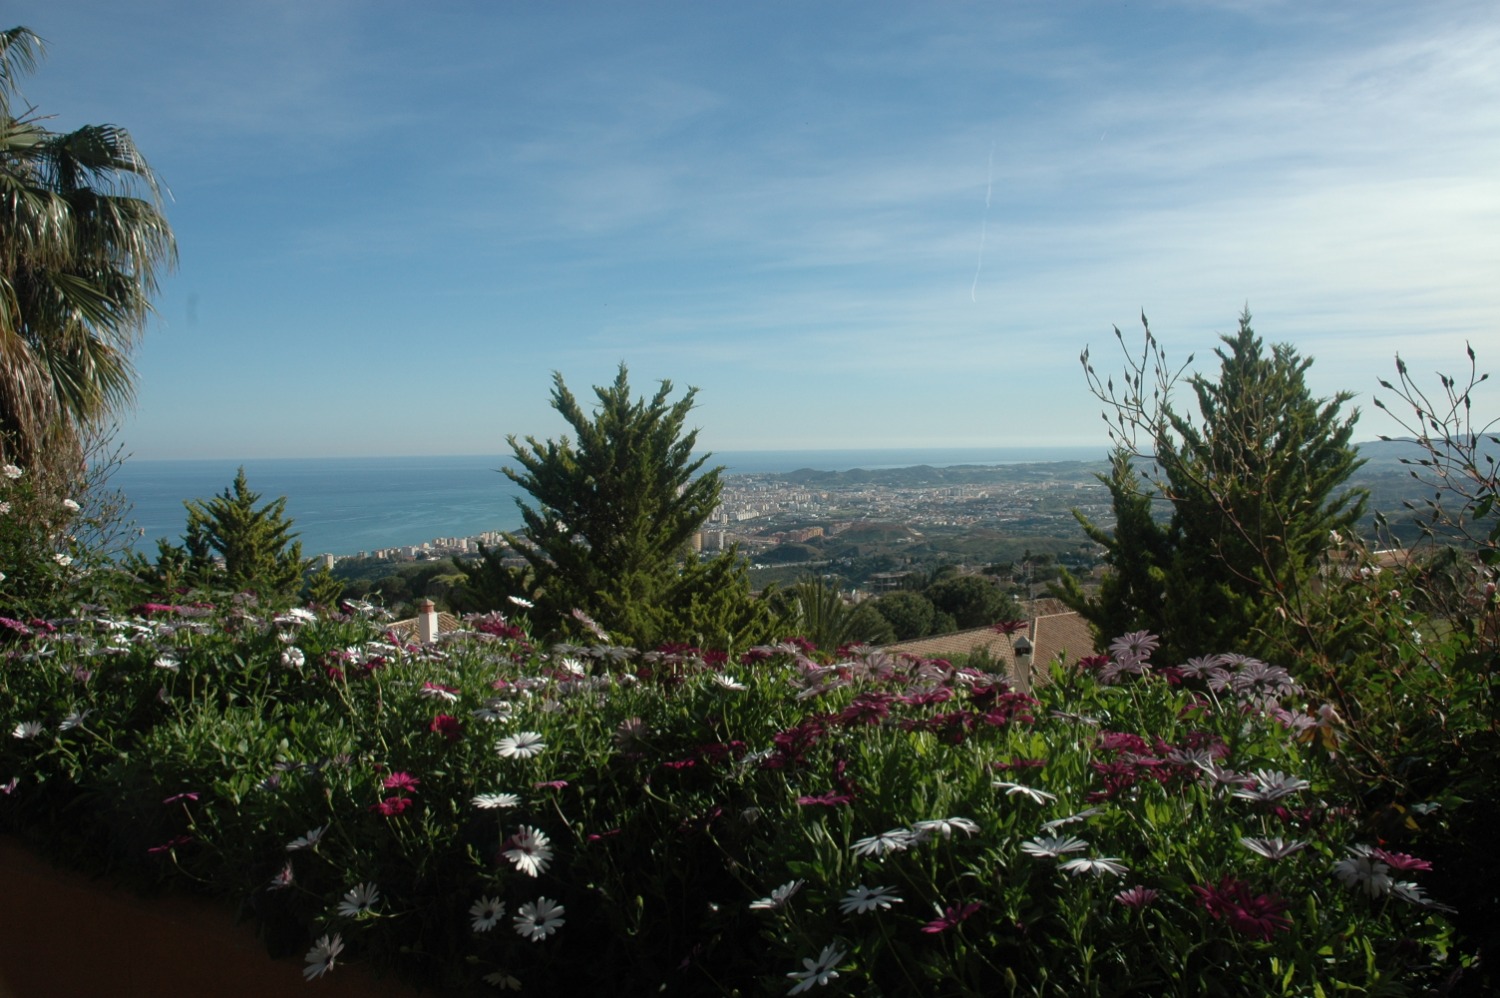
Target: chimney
(427, 622)
(1023, 648)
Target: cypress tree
(611, 524)
(1254, 489)
(232, 543)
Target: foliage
(814, 609)
(1420, 690)
(972, 600)
(81, 246)
(610, 532)
(751, 826)
(910, 614)
(231, 544)
(1254, 490)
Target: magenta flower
(950, 917)
(170, 844)
(391, 806)
(1257, 915)
(1137, 897)
(401, 781)
(1400, 861)
(440, 691)
(448, 726)
(191, 795)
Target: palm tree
(82, 240)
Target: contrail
(984, 225)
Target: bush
(595, 819)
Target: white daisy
(27, 730)
(895, 840)
(778, 897)
(863, 899)
(489, 802)
(538, 920)
(308, 841)
(1053, 846)
(321, 957)
(1056, 823)
(520, 746)
(1363, 871)
(729, 682)
(530, 851)
(359, 900)
(1103, 864)
(945, 827)
(503, 981)
(1272, 785)
(1273, 848)
(1011, 789)
(817, 972)
(486, 913)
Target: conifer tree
(232, 543)
(610, 530)
(1254, 489)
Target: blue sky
(865, 224)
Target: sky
(847, 224)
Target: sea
(346, 505)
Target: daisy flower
(864, 899)
(1272, 848)
(530, 850)
(439, 691)
(1137, 896)
(1104, 864)
(502, 980)
(1056, 823)
(729, 682)
(520, 746)
(1271, 785)
(1053, 846)
(521, 602)
(1362, 871)
(895, 840)
(945, 827)
(283, 879)
(490, 802)
(816, 972)
(950, 916)
(1011, 789)
(358, 900)
(778, 897)
(308, 841)
(486, 913)
(321, 957)
(401, 781)
(539, 919)
(27, 730)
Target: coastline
(342, 506)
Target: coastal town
(761, 512)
